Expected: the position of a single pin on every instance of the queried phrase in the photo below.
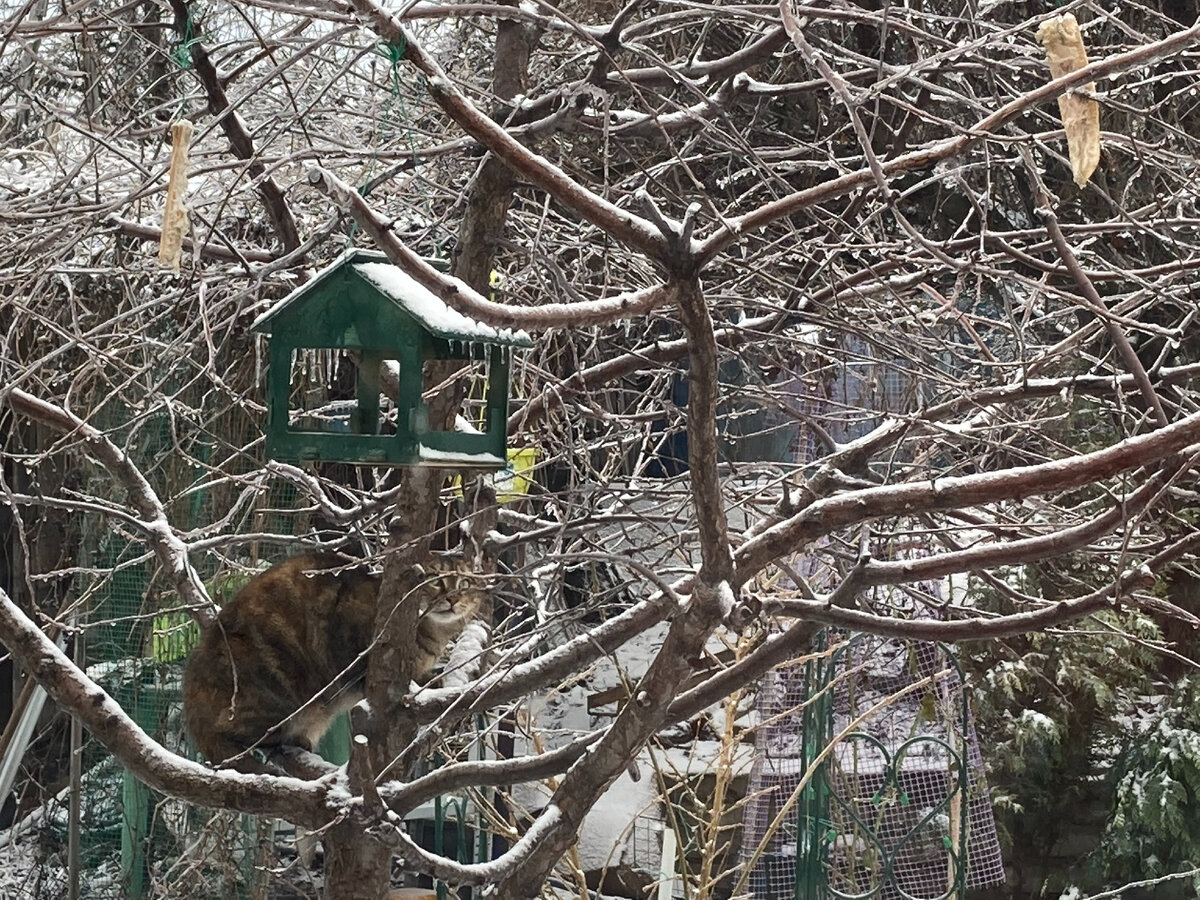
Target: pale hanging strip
(175, 217)
(1079, 110)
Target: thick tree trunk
(356, 867)
(491, 194)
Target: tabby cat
(283, 657)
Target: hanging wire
(393, 51)
(181, 54)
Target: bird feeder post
(366, 413)
(497, 397)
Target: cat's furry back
(295, 634)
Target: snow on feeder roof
(428, 309)
(395, 286)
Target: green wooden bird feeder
(364, 307)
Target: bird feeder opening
(355, 356)
(332, 390)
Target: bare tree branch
(979, 628)
(925, 157)
(1128, 356)
(461, 297)
(621, 224)
(823, 516)
(297, 801)
(171, 551)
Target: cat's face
(450, 592)
(443, 611)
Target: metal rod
(76, 775)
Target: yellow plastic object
(512, 482)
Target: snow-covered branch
(461, 297)
(297, 801)
(503, 686)
(734, 228)
(831, 513)
(622, 225)
(979, 628)
(875, 367)
(170, 550)
(989, 554)
(240, 142)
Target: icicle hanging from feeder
(1080, 114)
(175, 217)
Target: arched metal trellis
(869, 782)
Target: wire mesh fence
(869, 781)
(132, 636)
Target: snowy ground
(26, 872)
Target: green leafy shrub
(1155, 825)
(1053, 711)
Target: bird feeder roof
(387, 284)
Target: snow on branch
(635, 724)
(498, 687)
(620, 224)
(1022, 550)
(298, 801)
(467, 657)
(171, 551)
(457, 776)
(460, 297)
(831, 513)
(979, 628)
(240, 142)
(716, 560)
(491, 872)
(732, 230)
